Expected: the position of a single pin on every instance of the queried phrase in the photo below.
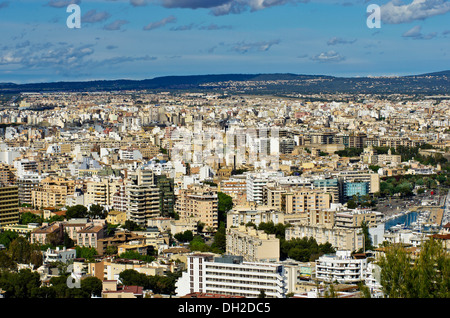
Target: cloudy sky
(138, 39)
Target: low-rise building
(116, 240)
(43, 234)
(89, 235)
(341, 267)
(242, 215)
(111, 289)
(254, 245)
(59, 255)
(340, 239)
(116, 217)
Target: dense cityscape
(208, 194)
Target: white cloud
(395, 11)
(223, 7)
(337, 40)
(160, 23)
(92, 16)
(330, 56)
(115, 25)
(416, 33)
(243, 47)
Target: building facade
(341, 267)
(230, 275)
(252, 244)
(9, 205)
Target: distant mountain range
(431, 83)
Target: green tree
(185, 236)
(96, 211)
(225, 204)
(365, 291)
(111, 250)
(87, 253)
(135, 255)
(43, 292)
(198, 244)
(92, 286)
(28, 217)
(427, 276)
(270, 227)
(6, 261)
(367, 239)
(351, 204)
(220, 241)
(374, 168)
(22, 252)
(131, 226)
(131, 277)
(76, 211)
(7, 237)
(67, 241)
(21, 284)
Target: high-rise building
(166, 195)
(199, 203)
(9, 205)
(52, 192)
(142, 197)
(101, 192)
(27, 183)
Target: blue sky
(138, 39)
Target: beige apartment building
(6, 175)
(236, 188)
(304, 201)
(339, 238)
(118, 239)
(116, 217)
(52, 192)
(107, 270)
(252, 244)
(353, 219)
(200, 204)
(296, 200)
(101, 192)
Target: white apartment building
(141, 195)
(230, 275)
(256, 182)
(130, 154)
(59, 255)
(372, 280)
(27, 182)
(341, 267)
(25, 166)
(242, 215)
